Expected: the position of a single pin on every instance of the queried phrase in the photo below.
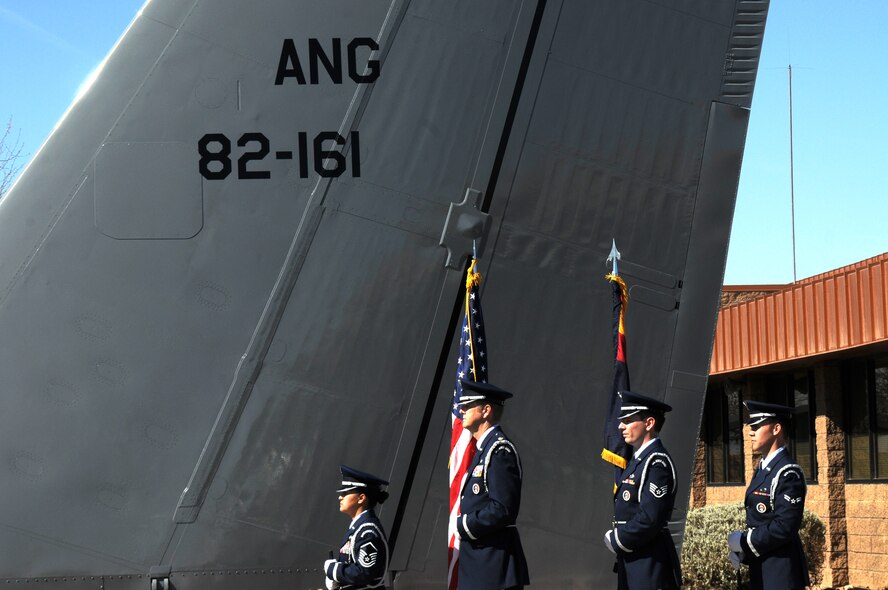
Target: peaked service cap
(358, 481)
(633, 403)
(474, 391)
(760, 412)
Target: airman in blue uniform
(364, 553)
(490, 552)
(775, 501)
(643, 503)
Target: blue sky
(840, 128)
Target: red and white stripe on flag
(462, 450)
(471, 366)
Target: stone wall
(867, 530)
(827, 499)
(721, 494)
(698, 477)
(737, 295)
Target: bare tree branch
(10, 157)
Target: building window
(796, 390)
(803, 428)
(866, 419)
(724, 434)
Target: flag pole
(615, 451)
(471, 366)
(614, 256)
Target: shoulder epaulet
(505, 445)
(790, 469)
(657, 459)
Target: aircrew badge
(478, 471)
(761, 507)
(476, 489)
(626, 495)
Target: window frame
(724, 448)
(785, 396)
(871, 419)
(811, 474)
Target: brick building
(820, 345)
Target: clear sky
(837, 50)
(838, 53)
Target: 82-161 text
(216, 163)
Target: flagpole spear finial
(474, 250)
(613, 257)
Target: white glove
(327, 565)
(735, 558)
(608, 543)
(734, 541)
(330, 582)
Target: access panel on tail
(222, 275)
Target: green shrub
(704, 554)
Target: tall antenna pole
(791, 180)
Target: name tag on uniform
(478, 471)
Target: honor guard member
(363, 556)
(640, 538)
(775, 500)
(490, 552)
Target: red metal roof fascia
(868, 263)
(841, 309)
(880, 293)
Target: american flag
(471, 365)
(616, 451)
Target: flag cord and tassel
(473, 279)
(615, 451)
(624, 291)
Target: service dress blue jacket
(646, 556)
(775, 501)
(363, 557)
(490, 552)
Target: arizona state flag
(616, 451)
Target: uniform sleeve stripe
(617, 539)
(749, 542)
(466, 528)
(336, 572)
